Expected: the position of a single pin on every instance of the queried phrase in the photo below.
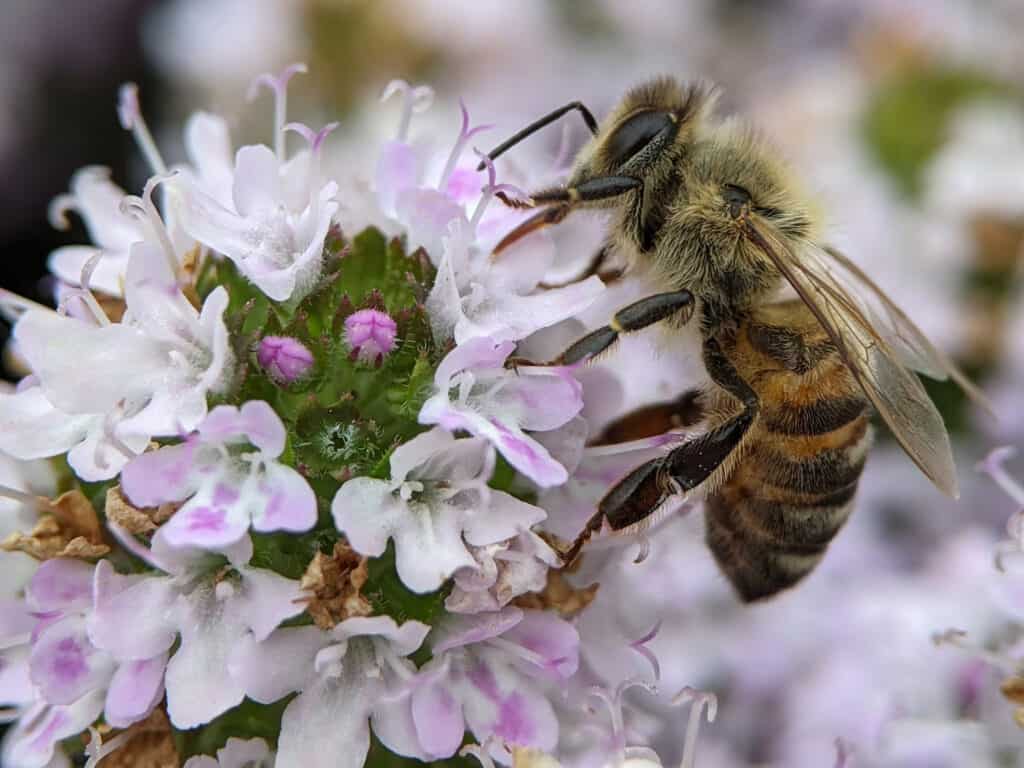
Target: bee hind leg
(639, 495)
(595, 267)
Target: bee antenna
(536, 125)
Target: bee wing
(902, 333)
(878, 365)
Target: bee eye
(636, 133)
(736, 197)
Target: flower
(284, 358)
(490, 672)
(276, 222)
(348, 678)
(436, 502)
(498, 404)
(210, 605)
(228, 487)
(176, 356)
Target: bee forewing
(881, 371)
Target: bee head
(654, 125)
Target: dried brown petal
(1013, 689)
(136, 520)
(69, 528)
(150, 745)
(335, 582)
(559, 595)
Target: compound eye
(636, 133)
(737, 199)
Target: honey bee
(706, 206)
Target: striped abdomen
(771, 520)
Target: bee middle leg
(635, 317)
(595, 267)
(634, 498)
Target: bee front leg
(635, 317)
(638, 495)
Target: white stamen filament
(97, 749)
(993, 467)
(700, 700)
(486, 195)
(85, 293)
(414, 100)
(514, 649)
(132, 119)
(477, 751)
(25, 498)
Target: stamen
(993, 466)
(491, 189)
(614, 703)
(479, 752)
(531, 657)
(25, 498)
(640, 646)
(130, 115)
(465, 134)
(415, 99)
(314, 138)
(700, 700)
(97, 749)
(84, 291)
(145, 210)
(279, 85)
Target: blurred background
(905, 118)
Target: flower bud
(285, 359)
(370, 334)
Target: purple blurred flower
(370, 334)
(211, 608)
(227, 485)
(491, 672)
(285, 359)
(435, 504)
(348, 678)
(498, 404)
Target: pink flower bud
(285, 359)
(370, 334)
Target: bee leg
(536, 125)
(638, 495)
(593, 268)
(635, 317)
(559, 202)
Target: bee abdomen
(770, 523)
(766, 546)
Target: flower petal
(327, 725)
(61, 584)
(65, 665)
(281, 664)
(286, 501)
(257, 183)
(438, 719)
(160, 476)
(144, 604)
(134, 691)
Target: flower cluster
(303, 476)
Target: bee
(719, 221)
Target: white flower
(211, 607)
(104, 390)
(436, 503)
(348, 678)
(236, 753)
(498, 404)
(227, 486)
(274, 225)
